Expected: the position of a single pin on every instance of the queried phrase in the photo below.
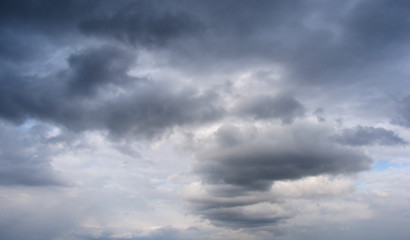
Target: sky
(204, 120)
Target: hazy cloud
(402, 113)
(282, 107)
(360, 136)
(25, 160)
(142, 23)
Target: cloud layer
(214, 119)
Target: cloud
(360, 136)
(254, 161)
(234, 79)
(247, 173)
(142, 23)
(98, 66)
(402, 116)
(43, 14)
(25, 160)
(283, 107)
(227, 205)
(125, 105)
(257, 215)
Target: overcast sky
(205, 120)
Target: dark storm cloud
(21, 96)
(142, 23)
(95, 92)
(69, 98)
(31, 31)
(315, 42)
(96, 67)
(360, 136)
(43, 15)
(282, 107)
(254, 163)
(65, 23)
(24, 159)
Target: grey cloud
(154, 109)
(319, 113)
(371, 25)
(238, 166)
(340, 45)
(98, 66)
(45, 15)
(142, 23)
(230, 206)
(320, 48)
(25, 160)
(360, 136)
(282, 107)
(164, 233)
(256, 163)
(238, 217)
(21, 96)
(217, 196)
(402, 117)
(315, 42)
(145, 109)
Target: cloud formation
(220, 119)
(360, 136)
(242, 170)
(285, 108)
(25, 160)
(142, 23)
(96, 93)
(253, 162)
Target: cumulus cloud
(253, 162)
(243, 169)
(227, 205)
